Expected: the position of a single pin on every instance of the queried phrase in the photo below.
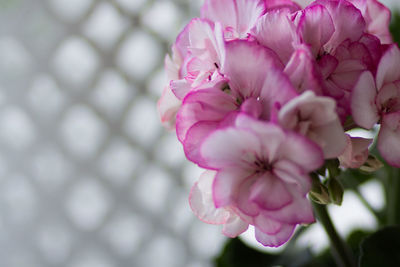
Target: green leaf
(381, 248)
(354, 240)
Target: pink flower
(336, 33)
(356, 152)
(315, 117)
(377, 99)
(258, 92)
(196, 56)
(262, 175)
(204, 47)
(253, 82)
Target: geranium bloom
(260, 92)
(204, 54)
(253, 82)
(336, 33)
(378, 100)
(196, 55)
(315, 117)
(262, 175)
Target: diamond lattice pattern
(88, 178)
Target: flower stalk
(341, 252)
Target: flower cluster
(261, 92)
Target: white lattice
(88, 178)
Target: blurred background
(88, 176)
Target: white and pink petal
(276, 239)
(276, 31)
(315, 26)
(388, 70)
(389, 138)
(363, 105)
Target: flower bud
(371, 164)
(335, 191)
(319, 192)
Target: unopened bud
(335, 191)
(319, 193)
(371, 164)
(333, 167)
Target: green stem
(393, 191)
(340, 251)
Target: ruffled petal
(292, 174)
(275, 30)
(193, 139)
(332, 139)
(248, 12)
(270, 135)
(230, 147)
(246, 66)
(223, 11)
(243, 201)
(377, 17)
(226, 186)
(267, 225)
(173, 64)
(379, 21)
(238, 15)
(388, 70)
(301, 151)
(180, 88)
(315, 26)
(347, 19)
(276, 91)
(363, 106)
(210, 105)
(389, 139)
(201, 201)
(327, 65)
(315, 117)
(303, 72)
(234, 226)
(298, 211)
(269, 193)
(277, 239)
(168, 106)
(347, 73)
